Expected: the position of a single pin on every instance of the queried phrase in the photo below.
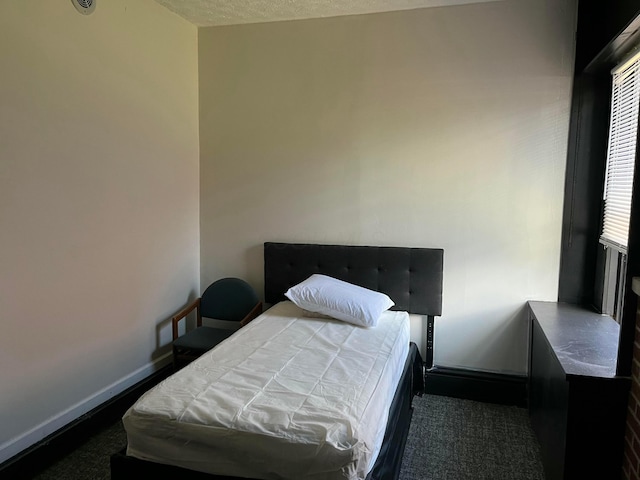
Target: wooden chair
(229, 299)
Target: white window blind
(621, 154)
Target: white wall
(443, 127)
(99, 207)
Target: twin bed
(293, 395)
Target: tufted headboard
(412, 277)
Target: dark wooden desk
(576, 403)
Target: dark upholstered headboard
(412, 277)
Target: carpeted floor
(90, 461)
(453, 439)
(450, 439)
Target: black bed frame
(412, 277)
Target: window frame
(623, 124)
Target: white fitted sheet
(287, 397)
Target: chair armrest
(183, 313)
(255, 311)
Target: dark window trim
(581, 253)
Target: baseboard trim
(480, 386)
(34, 449)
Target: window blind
(621, 154)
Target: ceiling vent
(85, 7)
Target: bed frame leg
(428, 361)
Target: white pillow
(341, 300)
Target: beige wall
(99, 208)
(443, 127)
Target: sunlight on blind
(621, 154)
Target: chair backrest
(228, 299)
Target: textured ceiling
(229, 12)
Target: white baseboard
(17, 444)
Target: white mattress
(285, 397)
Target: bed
(351, 425)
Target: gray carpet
(450, 439)
(90, 461)
(453, 439)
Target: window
(621, 153)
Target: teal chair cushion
(201, 339)
(228, 299)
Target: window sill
(585, 343)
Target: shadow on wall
(248, 265)
(508, 339)
(163, 339)
(253, 268)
